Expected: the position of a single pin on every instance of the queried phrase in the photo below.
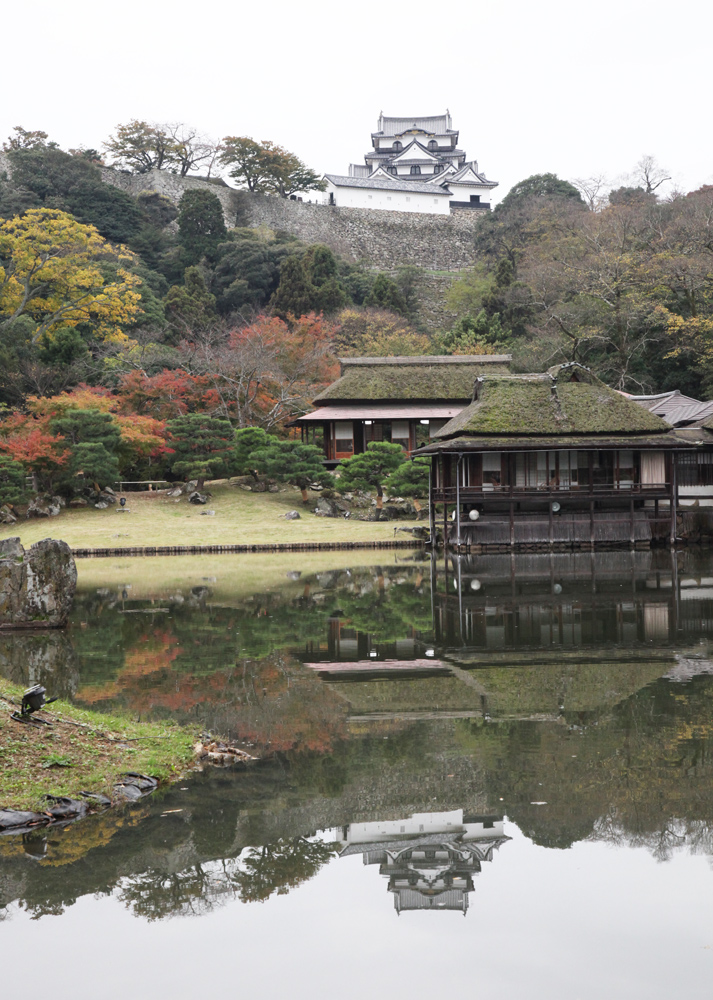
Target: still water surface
(492, 775)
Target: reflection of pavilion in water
(429, 859)
(528, 637)
(571, 600)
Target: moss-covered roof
(565, 442)
(564, 401)
(419, 378)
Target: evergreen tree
(247, 272)
(371, 468)
(91, 460)
(93, 439)
(292, 462)
(47, 176)
(410, 480)
(295, 294)
(201, 227)
(189, 306)
(386, 295)
(331, 296)
(203, 445)
(320, 264)
(12, 481)
(538, 186)
(247, 441)
(475, 335)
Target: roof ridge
(431, 359)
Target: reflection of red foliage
(273, 703)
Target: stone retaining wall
(380, 239)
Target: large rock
(36, 587)
(44, 505)
(6, 515)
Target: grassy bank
(241, 518)
(82, 751)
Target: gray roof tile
(386, 184)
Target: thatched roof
(428, 378)
(566, 401)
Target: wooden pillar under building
(431, 507)
(632, 537)
(458, 463)
(674, 490)
(512, 522)
(445, 522)
(591, 523)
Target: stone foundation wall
(385, 240)
(380, 239)
(173, 187)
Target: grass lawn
(240, 518)
(83, 750)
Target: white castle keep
(415, 165)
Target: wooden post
(591, 523)
(431, 507)
(552, 521)
(674, 497)
(632, 539)
(458, 463)
(445, 522)
(512, 522)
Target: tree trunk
(200, 483)
(305, 498)
(379, 498)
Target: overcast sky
(573, 88)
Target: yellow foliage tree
(61, 273)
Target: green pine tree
(293, 462)
(201, 226)
(295, 295)
(190, 306)
(12, 481)
(410, 480)
(203, 445)
(93, 439)
(248, 440)
(371, 469)
(385, 294)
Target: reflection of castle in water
(429, 859)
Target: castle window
(392, 170)
(415, 170)
(433, 145)
(397, 146)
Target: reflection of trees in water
(228, 668)
(638, 773)
(672, 836)
(255, 876)
(40, 658)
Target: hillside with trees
(138, 312)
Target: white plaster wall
(702, 494)
(394, 201)
(462, 192)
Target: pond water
(489, 775)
